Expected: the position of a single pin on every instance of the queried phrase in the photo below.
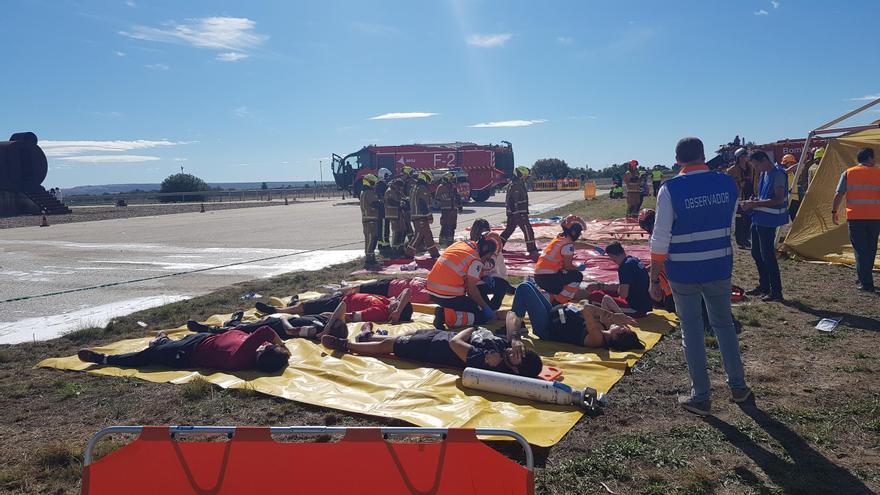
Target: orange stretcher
(254, 460)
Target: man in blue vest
(691, 240)
(769, 212)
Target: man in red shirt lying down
(359, 307)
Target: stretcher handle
(88, 456)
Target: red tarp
(599, 267)
(252, 462)
(619, 229)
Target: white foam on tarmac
(541, 207)
(47, 327)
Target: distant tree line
(554, 168)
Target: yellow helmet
(406, 170)
(521, 171)
(425, 176)
(369, 180)
(449, 176)
(789, 159)
(819, 153)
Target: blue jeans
(764, 253)
(687, 305)
(528, 299)
(863, 236)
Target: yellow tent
(813, 235)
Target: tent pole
(850, 114)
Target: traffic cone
(45, 221)
(202, 209)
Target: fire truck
(487, 167)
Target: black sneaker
(758, 291)
(773, 297)
(265, 308)
(439, 318)
(334, 343)
(194, 326)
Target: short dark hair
(406, 314)
(486, 246)
(615, 248)
(865, 155)
(531, 364)
(624, 339)
(273, 359)
(689, 149)
(759, 155)
(479, 226)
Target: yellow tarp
(388, 387)
(813, 235)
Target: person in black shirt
(632, 290)
(474, 347)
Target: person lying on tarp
(474, 347)
(631, 291)
(586, 325)
(234, 350)
(360, 307)
(392, 288)
(286, 326)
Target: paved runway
(36, 261)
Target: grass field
(814, 428)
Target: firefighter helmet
(819, 153)
(448, 176)
(384, 174)
(573, 221)
(425, 176)
(370, 180)
(521, 171)
(407, 170)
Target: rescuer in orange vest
(555, 271)
(420, 211)
(861, 185)
(453, 283)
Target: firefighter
(450, 205)
(420, 210)
(393, 216)
(517, 203)
(632, 182)
(370, 217)
(656, 179)
(383, 227)
(453, 284)
(555, 271)
(407, 174)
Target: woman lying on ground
(474, 347)
(234, 350)
(286, 326)
(360, 307)
(589, 326)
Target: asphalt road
(222, 244)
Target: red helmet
(633, 163)
(572, 220)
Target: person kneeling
(555, 271)
(471, 347)
(631, 293)
(234, 350)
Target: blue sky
(128, 91)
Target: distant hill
(127, 188)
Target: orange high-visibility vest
(862, 193)
(550, 260)
(447, 277)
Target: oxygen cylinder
(528, 388)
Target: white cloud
(231, 56)
(130, 3)
(119, 54)
(774, 3)
(510, 123)
(218, 33)
(489, 40)
(761, 12)
(111, 158)
(565, 40)
(242, 112)
(403, 115)
(69, 148)
(178, 159)
(157, 66)
(866, 98)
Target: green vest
(657, 175)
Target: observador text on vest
(706, 200)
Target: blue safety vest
(771, 216)
(700, 249)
